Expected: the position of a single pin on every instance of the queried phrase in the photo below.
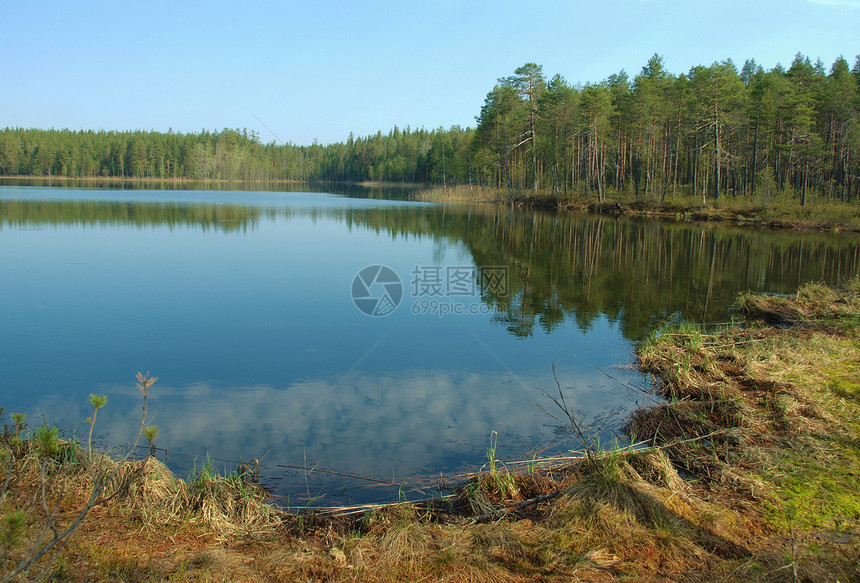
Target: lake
(334, 332)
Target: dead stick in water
(338, 474)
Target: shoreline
(746, 471)
(787, 215)
(149, 179)
(824, 216)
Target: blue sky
(300, 71)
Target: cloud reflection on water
(374, 424)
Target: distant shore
(146, 179)
(778, 213)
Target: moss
(812, 490)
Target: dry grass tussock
(812, 304)
(229, 505)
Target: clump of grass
(226, 504)
(153, 493)
(654, 467)
(677, 355)
(814, 305)
(498, 484)
(771, 309)
(230, 504)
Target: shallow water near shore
(272, 342)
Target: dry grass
(229, 506)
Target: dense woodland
(711, 132)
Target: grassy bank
(778, 211)
(748, 471)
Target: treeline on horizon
(710, 132)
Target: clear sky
(300, 71)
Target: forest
(713, 131)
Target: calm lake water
(250, 309)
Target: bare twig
(569, 414)
(344, 474)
